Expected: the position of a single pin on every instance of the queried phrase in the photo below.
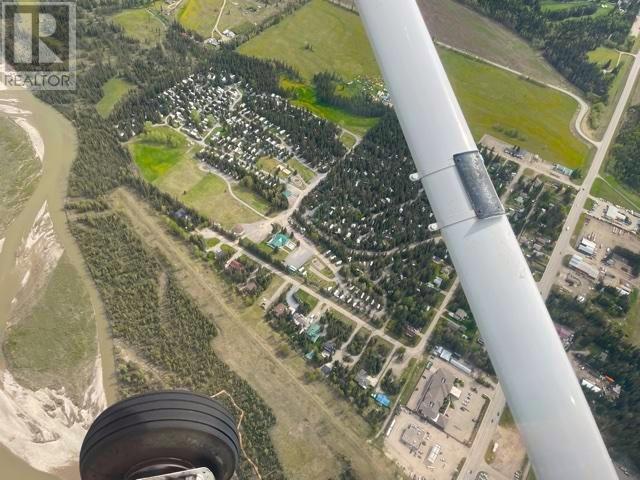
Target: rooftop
(279, 240)
(412, 436)
(434, 393)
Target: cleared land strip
(312, 431)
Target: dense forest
(625, 152)
(566, 41)
(145, 305)
(368, 203)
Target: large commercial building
(433, 397)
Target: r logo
(38, 45)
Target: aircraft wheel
(158, 433)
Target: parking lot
(414, 463)
(463, 412)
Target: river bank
(42, 419)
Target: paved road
(475, 459)
(563, 244)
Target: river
(59, 140)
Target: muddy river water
(59, 141)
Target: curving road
(584, 106)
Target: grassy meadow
(141, 24)
(455, 24)
(495, 101)
(112, 92)
(305, 96)
(165, 159)
(200, 15)
(318, 37)
(608, 188)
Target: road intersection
(475, 460)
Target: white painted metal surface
(542, 390)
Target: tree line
(565, 43)
(361, 104)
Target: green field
(251, 198)
(20, 171)
(140, 24)
(305, 96)
(347, 139)
(171, 167)
(268, 164)
(553, 5)
(601, 114)
(155, 156)
(631, 325)
(615, 192)
(200, 15)
(212, 242)
(211, 197)
(495, 101)
(602, 55)
(112, 92)
(334, 39)
(305, 172)
(578, 229)
(54, 344)
(304, 297)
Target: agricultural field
(515, 109)
(20, 171)
(320, 36)
(53, 343)
(112, 92)
(200, 15)
(141, 24)
(168, 163)
(454, 24)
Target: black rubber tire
(192, 429)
